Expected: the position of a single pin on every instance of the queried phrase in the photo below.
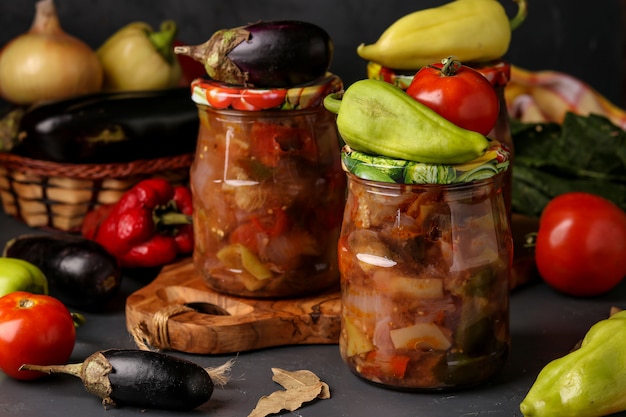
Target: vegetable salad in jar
(425, 275)
(268, 190)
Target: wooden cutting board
(177, 311)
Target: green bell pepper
(19, 275)
(589, 381)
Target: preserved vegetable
(424, 273)
(268, 193)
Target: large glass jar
(268, 190)
(425, 271)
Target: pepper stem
(332, 102)
(522, 11)
(171, 218)
(163, 41)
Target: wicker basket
(53, 195)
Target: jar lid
(497, 72)
(383, 169)
(225, 96)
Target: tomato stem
(26, 303)
(530, 240)
(78, 319)
(450, 66)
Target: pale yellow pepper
(469, 30)
(138, 58)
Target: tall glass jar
(425, 271)
(268, 189)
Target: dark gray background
(579, 37)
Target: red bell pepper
(148, 227)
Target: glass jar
(425, 272)
(498, 73)
(268, 189)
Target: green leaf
(585, 153)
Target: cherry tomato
(34, 329)
(581, 244)
(458, 93)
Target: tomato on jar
(458, 93)
(34, 329)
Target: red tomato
(34, 329)
(247, 235)
(460, 94)
(581, 244)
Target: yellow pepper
(138, 58)
(469, 30)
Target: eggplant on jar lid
(274, 54)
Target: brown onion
(46, 63)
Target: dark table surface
(544, 326)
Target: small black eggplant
(80, 272)
(110, 127)
(143, 379)
(274, 54)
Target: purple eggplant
(141, 378)
(275, 54)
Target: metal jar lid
(225, 96)
(383, 169)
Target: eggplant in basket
(110, 127)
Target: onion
(46, 63)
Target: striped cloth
(546, 96)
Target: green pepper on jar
(19, 275)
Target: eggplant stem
(74, 369)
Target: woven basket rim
(13, 162)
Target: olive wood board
(181, 313)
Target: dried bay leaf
(300, 387)
(294, 379)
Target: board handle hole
(208, 308)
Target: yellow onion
(46, 63)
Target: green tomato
(20, 275)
